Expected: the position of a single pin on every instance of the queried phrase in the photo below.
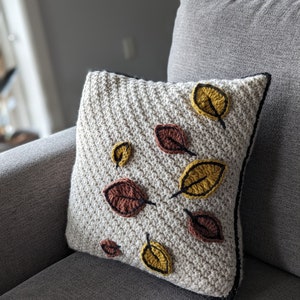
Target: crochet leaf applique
(210, 101)
(171, 139)
(201, 178)
(110, 248)
(125, 197)
(121, 153)
(156, 257)
(204, 226)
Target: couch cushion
(215, 38)
(81, 276)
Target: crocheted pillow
(158, 175)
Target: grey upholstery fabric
(81, 276)
(34, 189)
(228, 39)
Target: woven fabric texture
(229, 39)
(156, 234)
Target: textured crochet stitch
(117, 108)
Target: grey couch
(249, 37)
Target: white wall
(87, 34)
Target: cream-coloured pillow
(158, 176)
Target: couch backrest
(227, 39)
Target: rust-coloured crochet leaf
(125, 197)
(110, 248)
(205, 226)
(201, 178)
(171, 139)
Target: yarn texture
(121, 153)
(180, 187)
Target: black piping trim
(238, 196)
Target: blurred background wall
(54, 43)
(129, 36)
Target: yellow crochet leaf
(210, 101)
(201, 178)
(120, 153)
(156, 257)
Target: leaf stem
(176, 194)
(181, 147)
(193, 183)
(188, 213)
(148, 202)
(150, 247)
(148, 239)
(216, 113)
(190, 152)
(187, 187)
(222, 122)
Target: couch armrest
(34, 189)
